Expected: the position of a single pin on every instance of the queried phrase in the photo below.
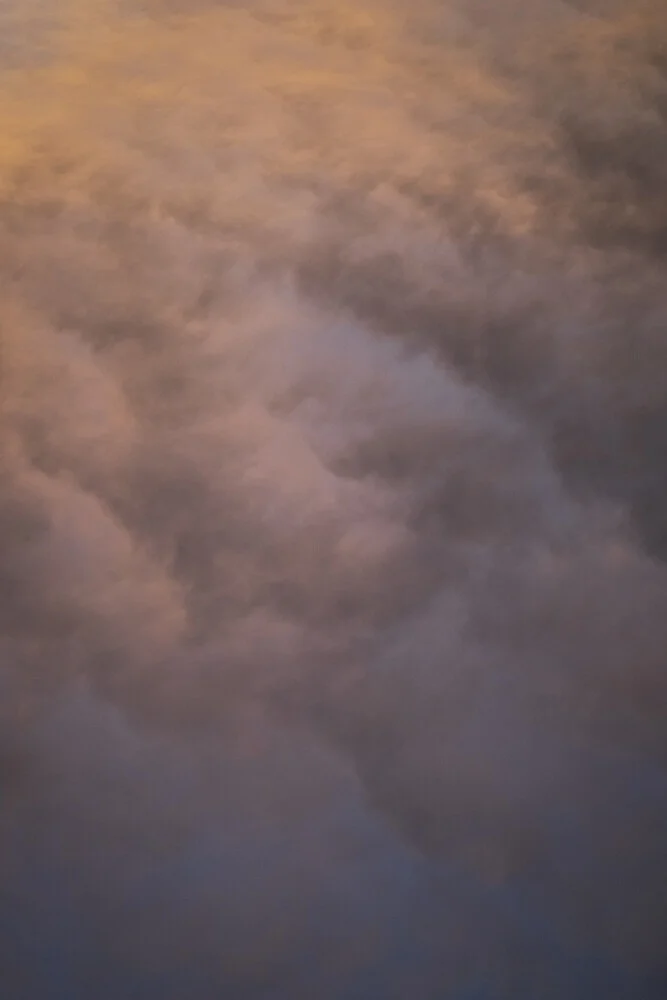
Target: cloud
(333, 587)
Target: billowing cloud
(333, 588)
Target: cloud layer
(333, 587)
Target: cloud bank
(332, 441)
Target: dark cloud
(333, 589)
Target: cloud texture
(333, 588)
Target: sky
(333, 426)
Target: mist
(333, 573)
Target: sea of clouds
(333, 500)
